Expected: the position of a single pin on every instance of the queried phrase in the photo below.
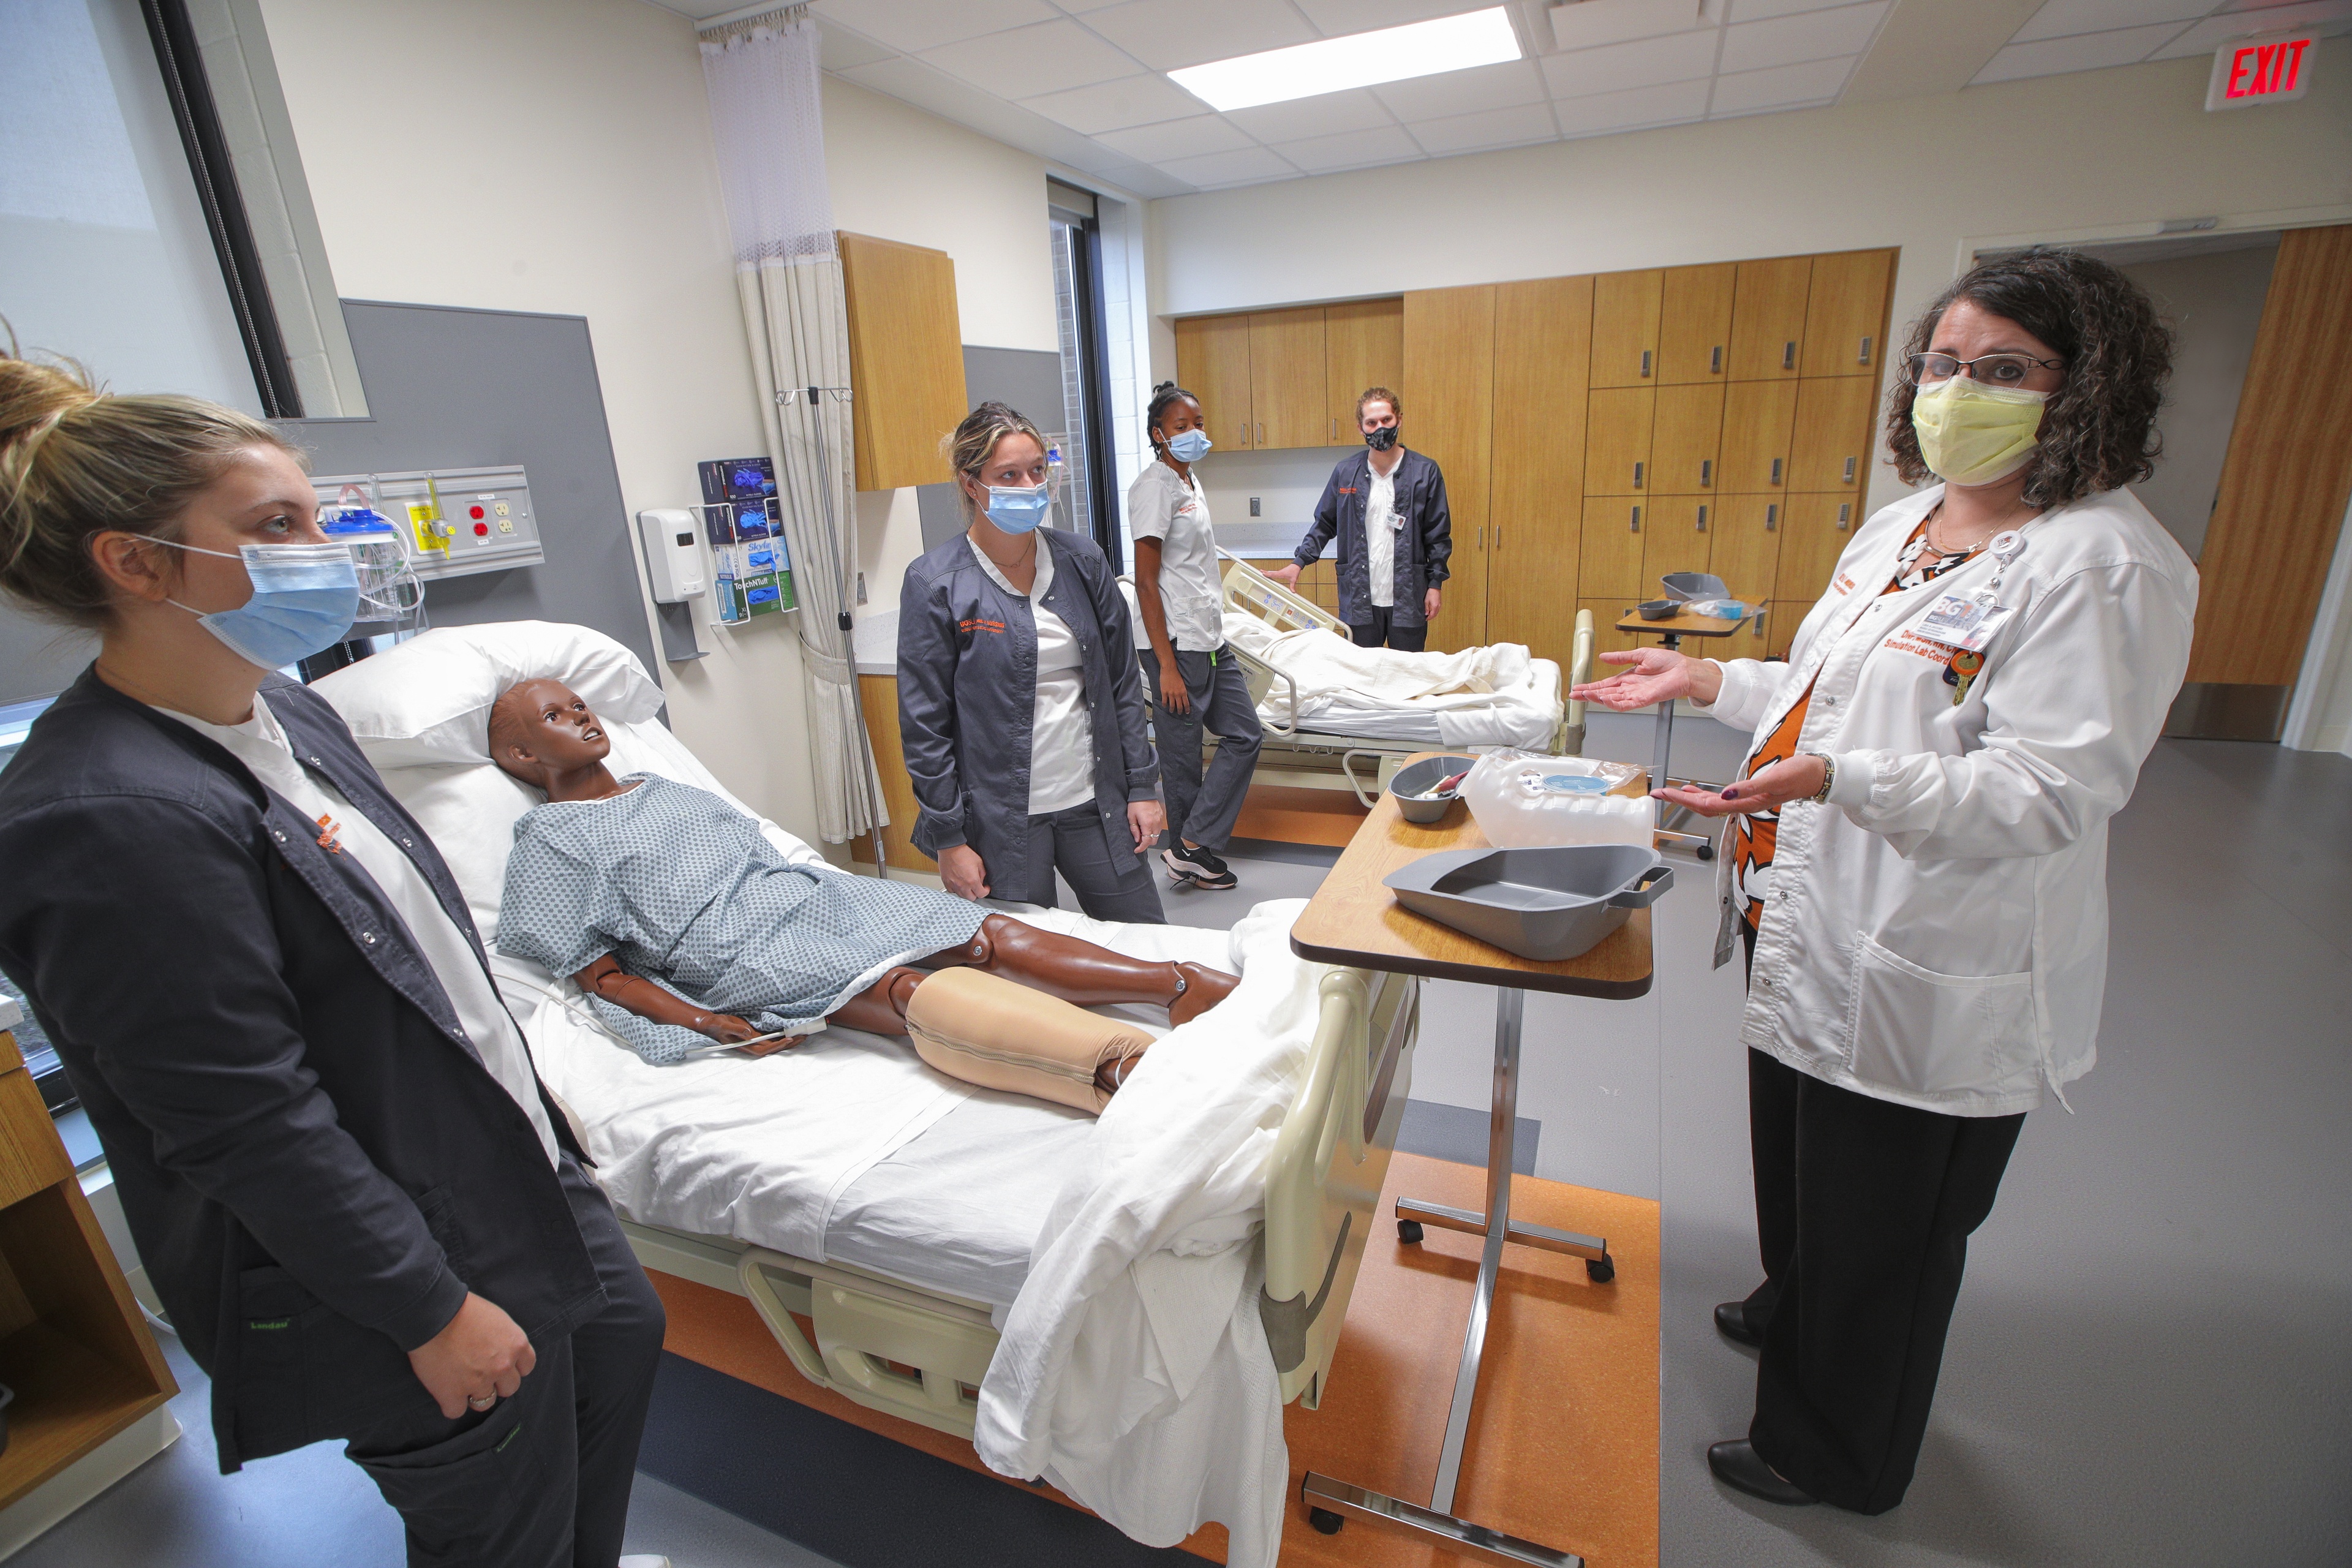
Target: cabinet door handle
(1702, 519)
(1481, 536)
(1714, 362)
(1845, 514)
(1776, 470)
(1335, 427)
(1498, 539)
(1772, 517)
(1864, 358)
(1706, 470)
(1849, 470)
(1635, 526)
(1245, 435)
(1645, 361)
(1637, 476)
(1261, 434)
(1789, 355)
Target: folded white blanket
(1492, 694)
(1133, 1371)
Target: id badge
(1965, 621)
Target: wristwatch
(1828, 775)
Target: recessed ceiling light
(1360, 59)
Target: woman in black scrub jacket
(1020, 707)
(342, 1173)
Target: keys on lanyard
(1966, 622)
(1961, 671)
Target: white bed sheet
(1494, 694)
(1529, 717)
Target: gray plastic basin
(1423, 775)
(1548, 904)
(1688, 586)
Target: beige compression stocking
(974, 1025)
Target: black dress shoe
(1731, 1322)
(1738, 1466)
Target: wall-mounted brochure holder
(751, 567)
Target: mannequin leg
(881, 1007)
(1080, 972)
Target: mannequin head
(542, 734)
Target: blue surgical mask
(1018, 509)
(304, 599)
(1189, 446)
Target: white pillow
(428, 699)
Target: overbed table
(1353, 919)
(1674, 630)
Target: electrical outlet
(1254, 506)
(861, 588)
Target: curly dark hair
(2100, 431)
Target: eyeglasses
(1993, 370)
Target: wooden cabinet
(1746, 553)
(1845, 316)
(1288, 403)
(1625, 308)
(1617, 428)
(1675, 538)
(906, 360)
(1363, 348)
(1449, 367)
(1695, 323)
(1543, 343)
(1768, 318)
(1834, 434)
(1606, 637)
(1685, 440)
(1781, 619)
(1610, 555)
(1212, 362)
(1758, 421)
(1815, 532)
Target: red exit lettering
(2259, 70)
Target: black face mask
(1382, 439)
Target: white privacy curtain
(762, 75)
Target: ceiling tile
(1594, 23)
(1116, 105)
(1465, 92)
(1602, 112)
(1382, 145)
(841, 49)
(2246, 24)
(1809, 36)
(1029, 62)
(1230, 168)
(1777, 87)
(912, 25)
(1168, 34)
(2064, 18)
(1762, 10)
(1494, 127)
(1193, 137)
(1326, 114)
(2088, 51)
(1622, 66)
(1336, 18)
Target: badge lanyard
(1966, 622)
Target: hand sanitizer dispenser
(673, 554)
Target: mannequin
(544, 735)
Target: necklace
(1935, 515)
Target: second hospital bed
(879, 1216)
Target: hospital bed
(1361, 738)
(879, 1216)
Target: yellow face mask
(1970, 434)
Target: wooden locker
(1815, 532)
(1606, 637)
(1610, 554)
(1758, 420)
(1626, 328)
(1835, 432)
(1617, 426)
(1212, 362)
(1543, 344)
(1287, 399)
(1695, 324)
(1752, 640)
(1746, 553)
(1685, 440)
(1781, 624)
(1768, 318)
(1845, 316)
(1363, 344)
(1677, 536)
(1449, 364)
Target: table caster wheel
(1600, 1270)
(1706, 851)
(1325, 1521)
(1409, 1231)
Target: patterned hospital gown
(683, 888)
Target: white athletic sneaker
(643, 1559)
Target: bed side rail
(1323, 1182)
(1252, 593)
(1580, 670)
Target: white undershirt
(261, 745)
(1061, 730)
(1381, 525)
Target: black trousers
(540, 1480)
(1863, 1210)
(1382, 628)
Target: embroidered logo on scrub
(330, 836)
(1912, 642)
(980, 626)
(1845, 583)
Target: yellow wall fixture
(906, 360)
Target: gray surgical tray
(1548, 904)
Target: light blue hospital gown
(683, 888)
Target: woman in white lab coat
(1917, 856)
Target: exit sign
(2261, 71)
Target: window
(1088, 479)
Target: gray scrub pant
(1204, 812)
(1113, 882)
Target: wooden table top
(1686, 626)
(1353, 919)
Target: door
(1363, 344)
(1758, 419)
(1685, 440)
(1543, 346)
(1449, 364)
(1610, 555)
(1287, 362)
(1746, 553)
(1212, 362)
(1768, 318)
(1695, 323)
(1815, 532)
(1617, 440)
(1834, 434)
(1626, 328)
(1845, 315)
(1677, 538)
